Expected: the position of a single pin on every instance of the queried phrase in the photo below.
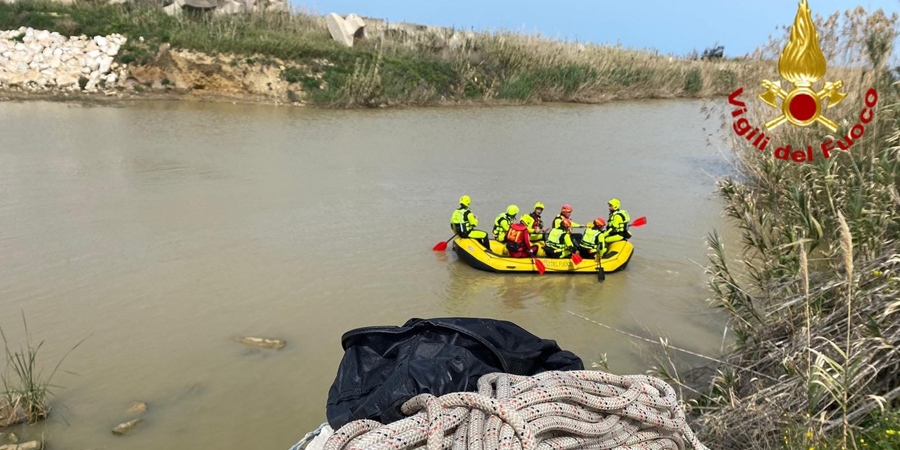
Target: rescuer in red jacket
(517, 242)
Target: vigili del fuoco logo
(803, 65)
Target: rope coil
(548, 411)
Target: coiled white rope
(548, 411)
(310, 436)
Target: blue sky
(670, 26)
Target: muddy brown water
(162, 231)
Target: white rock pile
(43, 60)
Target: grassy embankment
(814, 296)
(400, 70)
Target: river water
(162, 231)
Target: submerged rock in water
(262, 342)
(138, 408)
(12, 438)
(123, 428)
(30, 445)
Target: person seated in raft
(559, 242)
(534, 223)
(565, 213)
(503, 221)
(593, 241)
(463, 223)
(518, 243)
(617, 229)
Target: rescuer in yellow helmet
(503, 221)
(463, 223)
(534, 223)
(617, 226)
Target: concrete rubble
(347, 30)
(226, 7)
(341, 30)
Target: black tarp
(386, 366)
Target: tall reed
(847, 250)
(842, 214)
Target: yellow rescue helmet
(538, 205)
(615, 203)
(512, 210)
(465, 200)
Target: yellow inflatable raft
(498, 260)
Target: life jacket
(534, 221)
(589, 241)
(459, 222)
(557, 222)
(515, 239)
(499, 229)
(619, 227)
(557, 239)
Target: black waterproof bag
(385, 366)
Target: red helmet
(566, 208)
(599, 222)
(566, 224)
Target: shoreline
(125, 98)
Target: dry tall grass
(823, 320)
(515, 66)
